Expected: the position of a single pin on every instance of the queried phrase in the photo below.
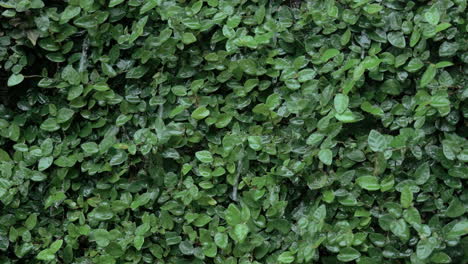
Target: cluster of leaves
(233, 131)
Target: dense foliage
(233, 131)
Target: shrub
(233, 131)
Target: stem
(236, 180)
(84, 54)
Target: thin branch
(236, 180)
(84, 54)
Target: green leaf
(200, 113)
(232, 215)
(397, 39)
(204, 156)
(149, 4)
(406, 198)
(122, 119)
(441, 257)
(74, 92)
(341, 103)
(240, 232)
(101, 236)
(119, 158)
(428, 75)
(45, 163)
(286, 257)
(348, 254)
(422, 173)
(31, 221)
(50, 125)
(347, 117)
(70, 75)
(432, 15)
(328, 54)
(400, 229)
(373, 8)
(375, 110)
(414, 65)
(376, 141)
(90, 147)
(369, 183)
(137, 72)
(315, 138)
(412, 216)
(101, 87)
(138, 242)
(140, 200)
(459, 229)
(101, 213)
(55, 198)
(64, 114)
(65, 161)
(69, 13)
(15, 79)
(113, 3)
(221, 240)
(49, 254)
(371, 62)
(455, 208)
(186, 248)
(188, 38)
(306, 75)
(255, 142)
(425, 247)
(326, 156)
(443, 64)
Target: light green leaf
(50, 125)
(397, 39)
(326, 156)
(70, 75)
(425, 247)
(255, 142)
(15, 79)
(64, 114)
(44, 163)
(221, 240)
(341, 103)
(422, 173)
(306, 75)
(240, 232)
(49, 254)
(369, 183)
(376, 141)
(455, 208)
(286, 257)
(432, 15)
(400, 229)
(441, 257)
(348, 254)
(428, 75)
(149, 4)
(113, 3)
(406, 197)
(328, 54)
(204, 156)
(200, 113)
(69, 13)
(90, 147)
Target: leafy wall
(233, 131)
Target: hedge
(233, 131)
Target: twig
(236, 180)
(161, 111)
(84, 54)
